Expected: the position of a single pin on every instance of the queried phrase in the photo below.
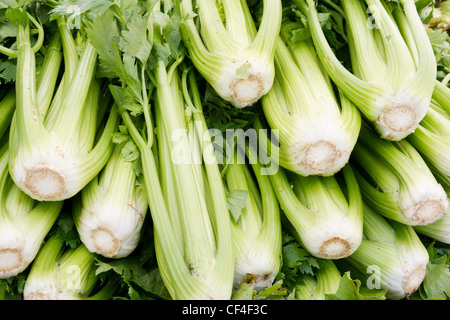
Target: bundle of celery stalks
(226, 149)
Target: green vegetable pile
(224, 149)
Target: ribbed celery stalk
(7, 106)
(396, 181)
(391, 256)
(62, 273)
(187, 201)
(257, 230)
(324, 213)
(111, 210)
(232, 56)
(432, 136)
(391, 88)
(317, 128)
(52, 160)
(24, 223)
(441, 94)
(193, 241)
(48, 75)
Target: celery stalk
(232, 56)
(53, 158)
(387, 83)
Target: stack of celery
(227, 149)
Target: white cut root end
(397, 122)
(427, 211)
(40, 295)
(413, 279)
(317, 157)
(242, 81)
(246, 92)
(320, 157)
(105, 242)
(45, 182)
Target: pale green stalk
(432, 136)
(7, 107)
(257, 230)
(206, 247)
(54, 160)
(49, 74)
(192, 233)
(113, 209)
(324, 214)
(24, 223)
(396, 181)
(393, 77)
(232, 56)
(61, 273)
(317, 128)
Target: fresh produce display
(224, 150)
(396, 181)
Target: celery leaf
(7, 71)
(236, 203)
(297, 262)
(73, 9)
(134, 40)
(437, 280)
(436, 284)
(104, 34)
(245, 290)
(350, 289)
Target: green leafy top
(74, 9)
(436, 284)
(297, 262)
(350, 289)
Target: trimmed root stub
(105, 242)
(335, 248)
(45, 183)
(10, 261)
(247, 91)
(320, 157)
(426, 211)
(40, 295)
(397, 121)
(413, 279)
(263, 280)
